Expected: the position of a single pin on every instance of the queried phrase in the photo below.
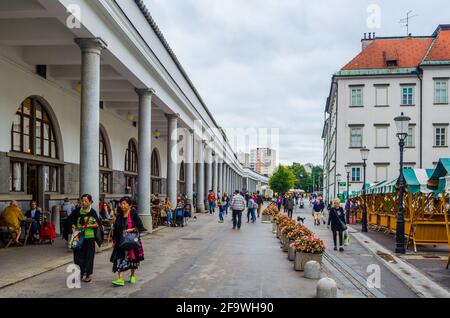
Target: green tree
(282, 180)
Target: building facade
(100, 104)
(390, 76)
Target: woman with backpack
(85, 221)
(128, 251)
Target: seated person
(11, 217)
(107, 213)
(35, 215)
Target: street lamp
(402, 123)
(338, 179)
(364, 156)
(348, 169)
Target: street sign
(343, 184)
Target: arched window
(182, 179)
(105, 173)
(32, 130)
(155, 164)
(182, 174)
(156, 176)
(104, 163)
(131, 168)
(131, 163)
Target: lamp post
(348, 170)
(338, 179)
(402, 123)
(364, 156)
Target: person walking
(128, 223)
(285, 203)
(86, 219)
(226, 200)
(260, 202)
(338, 224)
(318, 207)
(279, 202)
(237, 206)
(211, 202)
(222, 211)
(290, 206)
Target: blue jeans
(226, 208)
(251, 213)
(221, 215)
(212, 207)
(237, 219)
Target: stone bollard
(326, 288)
(312, 270)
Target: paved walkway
(350, 268)
(205, 259)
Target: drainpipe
(420, 76)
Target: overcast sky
(268, 63)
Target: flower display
(310, 244)
(279, 218)
(271, 210)
(288, 228)
(299, 231)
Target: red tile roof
(441, 48)
(409, 53)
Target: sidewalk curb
(62, 261)
(419, 283)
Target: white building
(244, 159)
(263, 160)
(390, 76)
(101, 105)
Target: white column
(172, 157)
(222, 178)
(144, 156)
(200, 177)
(216, 174)
(189, 165)
(91, 49)
(209, 170)
(219, 177)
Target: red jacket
(212, 197)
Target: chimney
(366, 41)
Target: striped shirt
(238, 203)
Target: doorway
(33, 188)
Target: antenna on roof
(406, 20)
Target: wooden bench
(428, 233)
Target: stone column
(144, 156)
(189, 165)
(172, 157)
(222, 177)
(219, 177)
(209, 170)
(216, 174)
(91, 49)
(201, 177)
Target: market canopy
(438, 180)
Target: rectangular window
(441, 91)
(356, 174)
(381, 96)
(356, 138)
(382, 173)
(382, 134)
(356, 96)
(16, 177)
(408, 96)
(440, 136)
(410, 140)
(104, 182)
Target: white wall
(433, 114)
(369, 115)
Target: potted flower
(284, 234)
(279, 219)
(308, 248)
(298, 232)
(286, 221)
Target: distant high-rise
(263, 160)
(244, 159)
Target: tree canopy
(282, 180)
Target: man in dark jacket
(260, 202)
(290, 205)
(338, 225)
(35, 215)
